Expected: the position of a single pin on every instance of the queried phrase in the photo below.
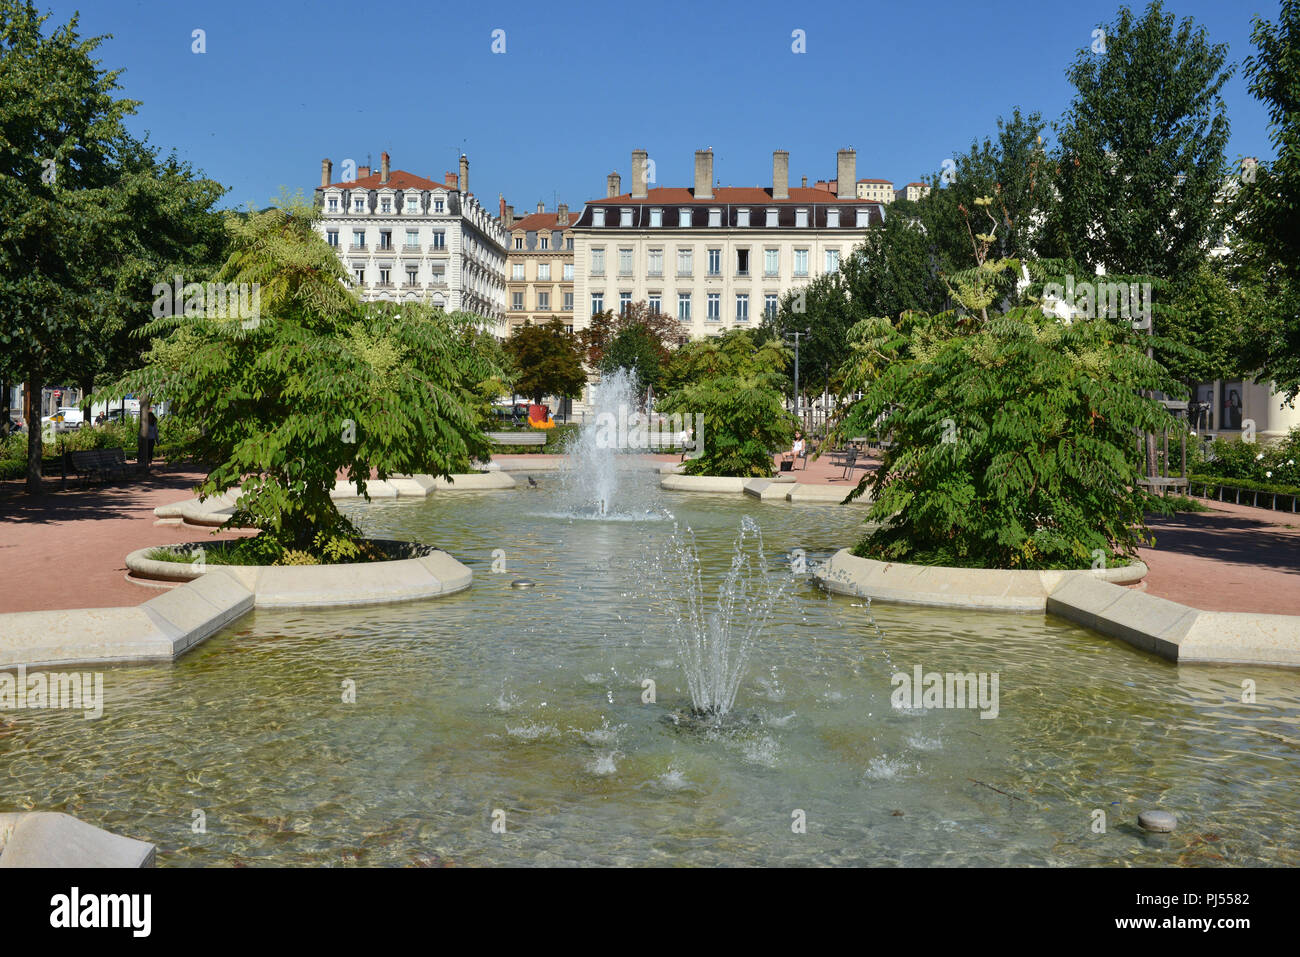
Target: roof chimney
(640, 171)
(846, 174)
(326, 172)
(704, 174)
(562, 216)
(449, 180)
(541, 207)
(363, 172)
(501, 199)
(805, 182)
(464, 174)
(612, 182)
(780, 174)
(383, 167)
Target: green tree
(637, 348)
(316, 385)
(548, 361)
(736, 382)
(605, 326)
(1141, 156)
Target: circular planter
(150, 569)
(993, 589)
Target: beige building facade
(540, 268)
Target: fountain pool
(531, 702)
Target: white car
(64, 419)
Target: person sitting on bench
(796, 450)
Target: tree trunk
(87, 387)
(35, 385)
(144, 454)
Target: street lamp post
(797, 333)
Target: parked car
(65, 419)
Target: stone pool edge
(1092, 598)
(780, 489)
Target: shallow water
(529, 702)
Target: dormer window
(656, 218)
(598, 217)
(386, 204)
(771, 218)
(864, 217)
(412, 204)
(333, 204)
(715, 218)
(801, 218)
(625, 218)
(684, 218)
(439, 204)
(832, 218)
(359, 204)
(742, 218)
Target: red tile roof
(397, 179)
(890, 182)
(722, 195)
(542, 221)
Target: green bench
(100, 464)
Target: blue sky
(285, 83)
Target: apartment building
(406, 238)
(913, 192)
(540, 267)
(876, 190)
(715, 257)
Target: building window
(742, 308)
(411, 273)
(383, 275)
(358, 239)
(715, 262)
(359, 274)
(517, 271)
(437, 274)
(517, 301)
(412, 239)
(832, 218)
(597, 302)
(438, 205)
(386, 204)
(412, 204)
(742, 262)
(544, 271)
(771, 303)
(655, 301)
(684, 218)
(771, 262)
(656, 264)
(543, 300)
(598, 263)
(546, 242)
(439, 239)
(625, 262)
(359, 204)
(568, 243)
(684, 264)
(519, 242)
(568, 304)
(742, 218)
(625, 217)
(332, 237)
(715, 218)
(624, 302)
(801, 218)
(832, 260)
(334, 204)
(568, 272)
(801, 262)
(772, 217)
(656, 218)
(864, 218)
(714, 312)
(684, 306)
(598, 217)
(385, 239)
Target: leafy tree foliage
(605, 327)
(317, 385)
(635, 347)
(736, 382)
(548, 361)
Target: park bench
(517, 438)
(100, 464)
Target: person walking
(151, 439)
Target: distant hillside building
(406, 238)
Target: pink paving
(67, 549)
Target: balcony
(357, 247)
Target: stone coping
(54, 839)
(167, 626)
(1092, 598)
(995, 589)
(778, 489)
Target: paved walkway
(67, 549)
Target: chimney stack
(464, 174)
(363, 172)
(510, 214)
(846, 174)
(704, 174)
(805, 182)
(780, 174)
(562, 216)
(449, 180)
(326, 172)
(639, 174)
(541, 207)
(612, 182)
(383, 167)
(501, 199)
